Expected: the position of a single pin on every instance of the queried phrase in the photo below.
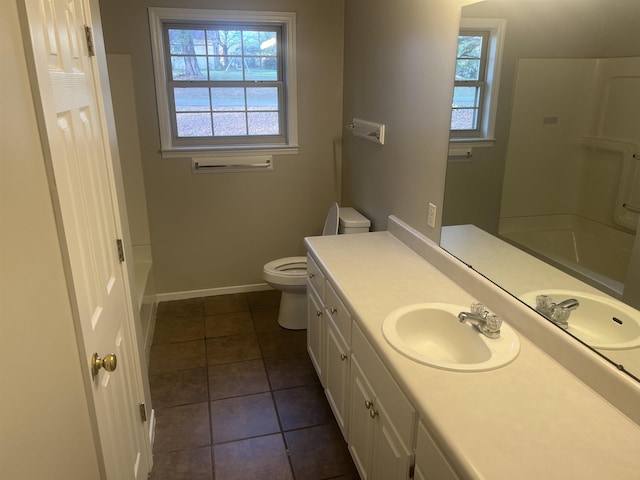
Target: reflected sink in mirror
(600, 322)
(430, 333)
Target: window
(225, 81)
(475, 89)
(470, 82)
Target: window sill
(461, 150)
(471, 142)
(229, 151)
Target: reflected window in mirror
(475, 93)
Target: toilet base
(293, 310)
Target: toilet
(289, 274)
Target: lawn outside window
(225, 81)
(475, 95)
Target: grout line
(206, 362)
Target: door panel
(83, 193)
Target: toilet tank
(352, 221)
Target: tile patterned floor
(236, 396)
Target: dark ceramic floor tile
(226, 304)
(173, 329)
(179, 428)
(192, 464)
(263, 458)
(265, 298)
(226, 324)
(266, 319)
(302, 407)
(235, 379)
(234, 348)
(183, 308)
(290, 371)
(319, 452)
(243, 417)
(177, 356)
(283, 342)
(179, 388)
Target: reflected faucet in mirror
(568, 103)
(559, 312)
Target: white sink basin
(600, 322)
(430, 333)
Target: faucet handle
(560, 314)
(544, 303)
(494, 322)
(478, 308)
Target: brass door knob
(109, 363)
(368, 404)
(319, 313)
(343, 357)
(373, 413)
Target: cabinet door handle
(368, 404)
(373, 413)
(343, 357)
(319, 313)
(312, 275)
(333, 310)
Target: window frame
(160, 19)
(480, 84)
(484, 135)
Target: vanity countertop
(531, 419)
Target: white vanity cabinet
(337, 353)
(382, 421)
(431, 464)
(315, 317)
(328, 337)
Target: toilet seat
(288, 271)
(292, 271)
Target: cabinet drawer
(338, 312)
(399, 410)
(315, 277)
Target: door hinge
(91, 51)
(143, 412)
(120, 250)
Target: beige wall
(218, 230)
(44, 419)
(123, 98)
(399, 66)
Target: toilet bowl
(289, 274)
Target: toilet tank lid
(352, 218)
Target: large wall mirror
(552, 207)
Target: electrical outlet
(431, 216)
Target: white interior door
(73, 143)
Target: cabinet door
(337, 375)
(361, 425)
(391, 458)
(315, 330)
(430, 461)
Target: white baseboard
(209, 292)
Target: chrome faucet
(485, 322)
(559, 312)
